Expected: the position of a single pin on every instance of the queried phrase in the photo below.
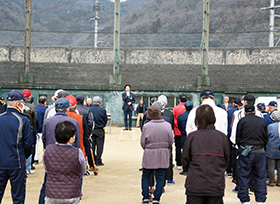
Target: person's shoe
(141, 169)
(151, 199)
(184, 173)
(163, 190)
(32, 167)
(233, 181)
(137, 126)
(30, 172)
(156, 201)
(125, 129)
(178, 167)
(244, 202)
(129, 129)
(270, 184)
(36, 162)
(99, 164)
(170, 182)
(278, 184)
(145, 201)
(260, 202)
(87, 173)
(92, 168)
(235, 190)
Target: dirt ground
(119, 180)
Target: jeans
(28, 163)
(253, 165)
(272, 163)
(160, 174)
(178, 150)
(129, 113)
(17, 179)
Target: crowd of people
(239, 140)
(73, 140)
(212, 141)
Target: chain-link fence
(134, 40)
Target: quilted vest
(63, 169)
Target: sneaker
(184, 173)
(260, 202)
(235, 190)
(244, 202)
(92, 169)
(32, 167)
(178, 167)
(278, 184)
(87, 173)
(145, 201)
(170, 182)
(36, 162)
(30, 172)
(270, 184)
(156, 201)
(99, 164)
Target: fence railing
(131, 40)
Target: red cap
(26, 93)
(72, 100)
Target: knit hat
(275, 116)
(153, 113)
(96, 100)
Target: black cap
(2, 98)
(183, 97)
(207, 93)
(250, 98)
(261, 106)
(237, 101)
(249, 108)
(80, 97)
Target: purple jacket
(156, 140)
(48, 134)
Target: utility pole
(27, 77)
(272, 22)
(27, 39)
(96, 8)
(116, 78)
(204, 80)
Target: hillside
(173, 23)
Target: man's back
(100, 116)
(40, 116)
(16, 139)
(48, 135)
(85, 111)
(251, 130)
(177, 110)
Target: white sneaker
(178, 167)
(30, 172)
(244, 202)
(260, 202)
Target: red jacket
(180, 108)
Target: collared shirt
(81, 159)
(220, 114)
(48, 133)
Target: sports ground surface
(119, 181)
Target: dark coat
(182, 121)
(205, 157)
(100, 116)
(138, 107)
(126, 100)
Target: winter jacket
(180, 108)
(156, 140)
(272, 151)
(205, 157)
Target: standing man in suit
(128, 99)
(226, 105)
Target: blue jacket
(144, 108)
(48, 133)
(272, 150)
(126, 100)
(267, 119)
(230, 113)
(100, 116)
(182, 121)
(15, 139)
(40, 117)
